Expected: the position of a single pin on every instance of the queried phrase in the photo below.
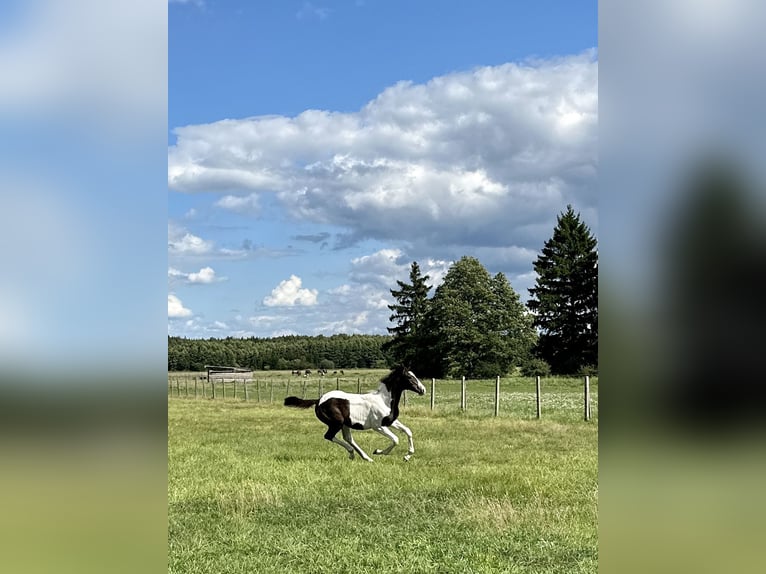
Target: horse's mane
(395, 373)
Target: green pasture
(253, 486)
(561, 397)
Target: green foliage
(535, 367)
(476, 323)
(279, 353)
(590, 370)
(565, 297)
(408, 344)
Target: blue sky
(317, 148)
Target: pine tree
(408, 313)
(565, 297)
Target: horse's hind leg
(357, 448)
(330, 435)
(386, 432)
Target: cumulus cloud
(247, 204)
(206, 275)
(356, 324)
(476, 158)
(290, 293)
(181, 242)
(176, 309)
(384, 267)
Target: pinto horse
(377, 410)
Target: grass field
(562, 398)
(253, 487)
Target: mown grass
(253, 487)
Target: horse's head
(408, 380)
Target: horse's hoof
(377, 451)
(406, 457)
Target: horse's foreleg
(397, 424)
(350, 440)
(386, 432)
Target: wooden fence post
(246, 397)
(462, 394)
(223, 388)
(320, 387)
(358, 386)
(178, 387)
(337, 383)
(213, 383)
(303, 396)
(195, 387)
(433, 392)
(287, 390)
(405, 397)
(537, 394)
(497, 395)
(271, 391)
(186, 386)
(204, 392)
(235, 388)
(587, 397)
(258, 389)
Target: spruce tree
(565, 297)
(407, 345)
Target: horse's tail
(300, 403)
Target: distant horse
(377, 410)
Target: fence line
(510, 395)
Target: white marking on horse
(342, 411)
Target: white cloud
(290, 293)
(247, 204)
(181, 242)
(357, 323)
(384, 267)
(465, 159)
(205, 275)
(381, 268)
(176, 309)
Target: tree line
(474, 324)
(279, 353)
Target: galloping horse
(377, 410)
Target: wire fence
(556, 398)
